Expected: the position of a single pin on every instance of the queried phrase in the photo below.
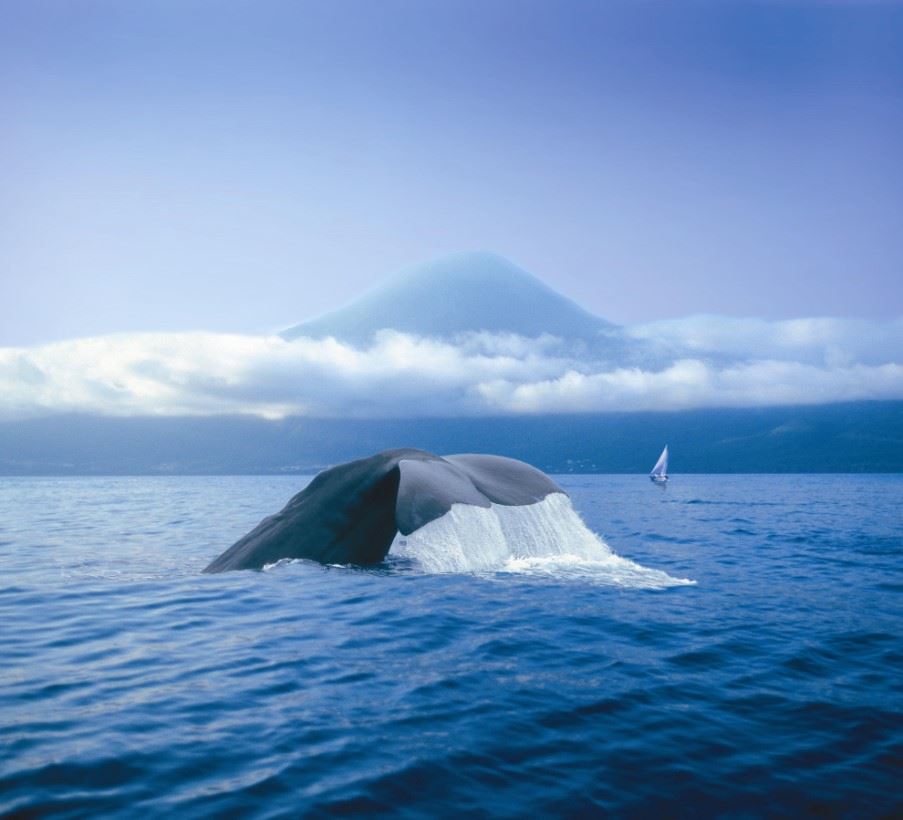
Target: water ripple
(130, 683)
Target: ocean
(731, 645)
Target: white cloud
(830, 342)
(695, 362)
(692, 383)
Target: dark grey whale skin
(349, 514)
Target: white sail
(661, 466)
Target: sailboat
(659, 474)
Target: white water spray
(546, 538)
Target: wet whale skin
(349, 514)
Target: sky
(237, 167)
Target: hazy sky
(241, 166)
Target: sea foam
(546, 538)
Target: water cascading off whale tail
(471, 512)
(545, 538)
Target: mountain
(852, 437)
(455, 294)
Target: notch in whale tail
(351, 513)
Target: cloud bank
(687, 363)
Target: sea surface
(733, 647)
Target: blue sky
(240, 166)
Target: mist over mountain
(471, 337)
(455, 294)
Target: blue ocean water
(130, 682)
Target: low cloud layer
(694, 362)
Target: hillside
(853, 437)
(455, 294)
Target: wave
(546, 538)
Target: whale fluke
(350, 514)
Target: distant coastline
(858, 437)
